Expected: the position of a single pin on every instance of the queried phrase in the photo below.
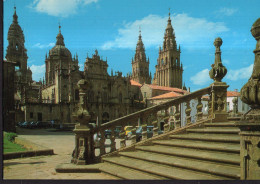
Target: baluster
(177, 116)
(199, 109)
(122, 137)
(188, 112)
(133, 137)
(210, 106)
(166, 120)
(102, 142)
(112, 139)
(122, 140)
(155, 127)
(144, 132)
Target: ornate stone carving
(250, 92)
(218, 71)
(84, 146)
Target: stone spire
(218, 71)
(140, 65)
(140, 50)
(59, 38)
(169, 36)
(15, 17)
(16, 51)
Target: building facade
(169, 68)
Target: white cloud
(226, 11)
(41, 46)
(38, 71)
(62, 8)
(242, 73)
(201, 78)
(189, 31)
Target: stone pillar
(250, 124)
(84, 152)
(218, 88)
(249, 149)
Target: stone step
(231, 138)
(161, 170)
(197, 165)
(126, 173)
(219, 157)
(215, 130)
(227, 124)
(225, 147)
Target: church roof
(164, 88)
(134, 83)
(232, 93)
(167, 95)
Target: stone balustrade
(151, 116)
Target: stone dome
(59, 49)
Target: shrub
(10, 136)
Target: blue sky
(111, 26)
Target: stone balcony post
(84, 143)
(218, 88)
(250, 124)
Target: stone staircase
(208, 153)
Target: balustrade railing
(152, 117)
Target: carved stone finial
(250, 92)
(218, 71)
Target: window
(31, 114)
(76, 94)
(120, 97)
(162, 61)
(144, 94)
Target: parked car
(19, 124)
(108, 132)
(42, 124)
(25, 124)
(139, 131)
(32, 125)
(128, 129)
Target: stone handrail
(156, 108)
(150, 116)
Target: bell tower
(140, 65)
(169, 69)
(16, 51)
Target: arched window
(162, 61)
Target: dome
(59, 49)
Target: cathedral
(108, 96)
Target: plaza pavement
(43, 167)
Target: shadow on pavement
(16, 163)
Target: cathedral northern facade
(108, 97)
